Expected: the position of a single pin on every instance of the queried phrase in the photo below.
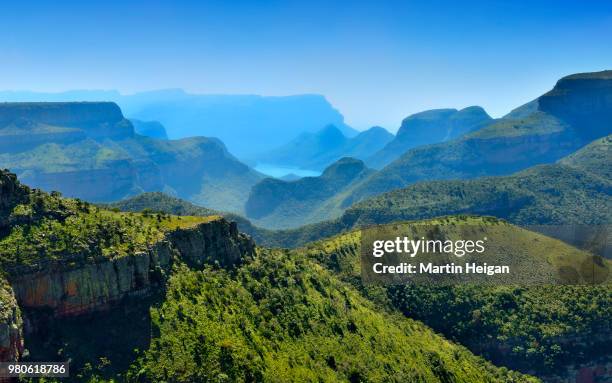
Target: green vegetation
(46, 228)
(90, 151)
(283, 318)
(594, 158)
(540, 328)
(536, 123)
(276, 204)
(576, 191)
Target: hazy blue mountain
(556, 129)
(89, 150)
(575, 112)
(274, 203)
(318, 150)
(430, 127)
(151, 129)
(247, 124)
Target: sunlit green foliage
(538, 329)
(283, 318)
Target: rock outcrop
(11, 325)
(96, 286)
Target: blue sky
(375, 61)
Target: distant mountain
(151, 129)
(577, 111)
(318, 150)
(290, 177)
(89, 150)
(280, 204)
(247, 124)
(430, 127)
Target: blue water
(279, 171)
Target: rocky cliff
(11, 325)
(584, 101)
(99, 285)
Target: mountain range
(247, 124)
(571, 195)
(575, 112)
(90, 151)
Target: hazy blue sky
(376, 61)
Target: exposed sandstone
(99, 285)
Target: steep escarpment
(67, 257)
(92, 286)
(95, 119)
(584, 101)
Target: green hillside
(277, 316)
(90, 151)
(542, 329)
(283, 318)
(575, 192)
(593, 158)
(156, 202)
(277, 204)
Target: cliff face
(99, 285)
(584, 101)
(11, 324)
(73, 114)
(94, 119)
